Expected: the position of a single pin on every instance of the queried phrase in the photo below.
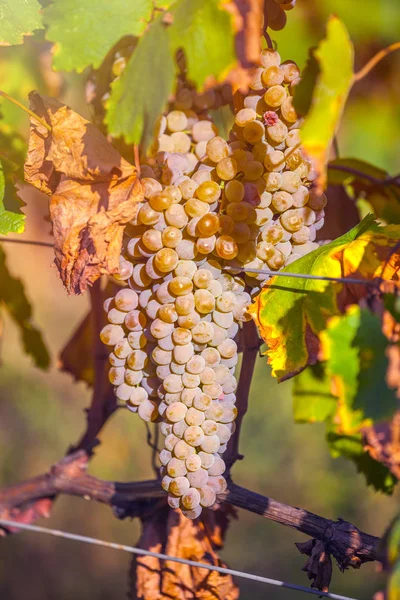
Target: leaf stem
(375, 60)
(25, 109)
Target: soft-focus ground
(42, 413)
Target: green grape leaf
(141, 93)
(383, 198)
(10, 221)
(313, 401)
(83, 33)
(335, 55)
(17, 19)
(198, 27)
(290, 313)
(351, 447)
(13, 297)
(354, 348)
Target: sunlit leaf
(204, 31)
(18, 18)
(335, 57)
(15, 301)
(83, 33)
(354, 349)
(141, 93)
(290, 313)
(10, 221)
(94, 192)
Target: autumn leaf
(335, 56)
(382, 442)
(94, 191)
(290, 313)
(169, 532)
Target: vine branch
(349, 545)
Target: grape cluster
(208, 205)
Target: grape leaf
(142, 92)
(94, 192)
(290, 313)
(13, 298)
(351, 447)
(10, 221)
(335, 55)
(313, 400)
(205, 33)
(17, 19)
(83, 33)
(354, 349)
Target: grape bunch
(212, 209)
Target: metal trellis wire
(141, 552)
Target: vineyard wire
(141, 552)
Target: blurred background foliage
(42, 413)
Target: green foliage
(14, 299)
(141, 94)
(335, 57)
(10, 221)
(351, 447)
(84, 33)
(18, 18)
(314, 401)
(198, 27)
(355, 351)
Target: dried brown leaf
(319, 564)
(382, 442)
(94, 191)
(170, 532)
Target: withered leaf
(168, 531)
(94, 191)
(382, 442)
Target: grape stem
(363, 72)
(264, 32)
(25, 109)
